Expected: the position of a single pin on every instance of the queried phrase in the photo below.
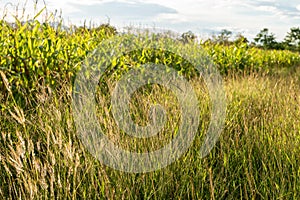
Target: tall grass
(256, 157)
(41, 157)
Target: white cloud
(267, 8)
(171, 17)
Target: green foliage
(240, 39)
(243, 59)
(292, 40)
(34, 52)
(188, 37)
(223, 37)
(257, 156)
(265, 39)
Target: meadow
(41, 157)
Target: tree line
(264, 39)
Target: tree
(107, 28)
(292, 40)
(266, 39)
(188, 37)
(240, 39)
(223, 37)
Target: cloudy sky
(202, 17)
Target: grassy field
(41, 157)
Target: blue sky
(202, 17)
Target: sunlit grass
(256, 157)
(41, 157)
